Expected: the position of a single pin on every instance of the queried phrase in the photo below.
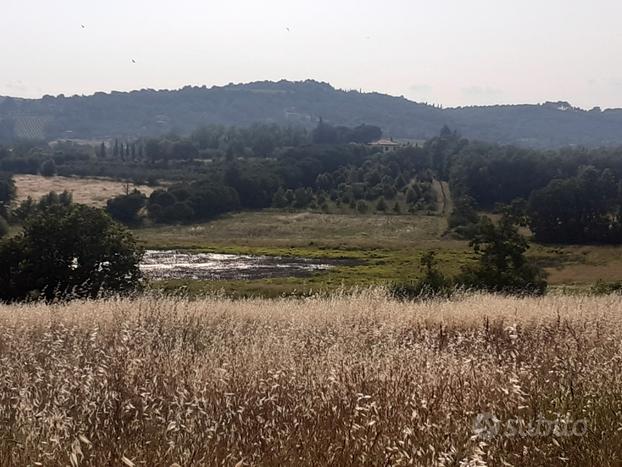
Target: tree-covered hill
(150, 113)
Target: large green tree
(501, 262)
(69, 251)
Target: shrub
(362, 207)
(606, 288)
(433, 284)
(381, 205)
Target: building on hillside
(386, 145)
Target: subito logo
(486, 426)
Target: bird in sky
(288, 30)
(83, 26)
(133, 61)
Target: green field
(389, 246)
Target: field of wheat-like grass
(347, 380)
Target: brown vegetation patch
(347, 380)
(90, 191)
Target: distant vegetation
(564, 196)
(149, 113)
(217, 170)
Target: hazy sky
(451, 52)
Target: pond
(160, 265)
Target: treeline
(571, 195)
(172, 156)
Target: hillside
(149, 112)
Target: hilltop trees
(68, 251)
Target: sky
(447, 52)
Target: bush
(606, 288)
(434, 284)
(362, 207)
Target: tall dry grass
(357, 380)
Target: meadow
(342, 380)
(389, 246)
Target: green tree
(29, 207)
(279, 200)
(502, 265)
(66, 252)
(581, 209)
(463, 219)
(411, 196)
(153, 151)
(48, 168)
(362, 207)
(101, 153)
(302, 197)
(4, 227)
(7, 193)
(125, 208)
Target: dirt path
(443, 197)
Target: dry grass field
(91, 191)
(346, 380)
